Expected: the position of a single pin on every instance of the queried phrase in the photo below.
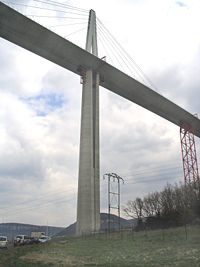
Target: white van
(3, 242)
(21, 240)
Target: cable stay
(117, 55)
(75, 32)
(69, 24)
(71, 16)
(130, 64)
(48, 9)
(57, 17)
(114, 47)
(53, 3)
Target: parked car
(44, 239)
(21, 240)
(34, 240)
(3, 242)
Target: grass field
(170, 247)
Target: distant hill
(12, 229)
(71, 230)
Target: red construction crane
(189, 156)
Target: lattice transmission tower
(189, 155)
(113, 196)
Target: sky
(40, 107)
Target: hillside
(166, 247)
(71, 230)
(12, 229)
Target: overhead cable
(115, 47)
(38, 206)
(105, 48)
(75, 32)
(43, 8)
(116, 58)
(41, 198)
(53, 3)
(68, 24)
(127, 55)
(58, 17)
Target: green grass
(151, 248)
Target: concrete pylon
(88, 206)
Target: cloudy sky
(40, 106)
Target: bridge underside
(30, 35)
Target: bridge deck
(30, 35)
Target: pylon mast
(113, 197)
(88, 206)
(189, 157)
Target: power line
(153, 180)
(147, 174)
(38, 206)
(154, 174)
(148, 178)
(152, 171)
(162, 166)
(160, 176)
(42, 198)
(137, 181)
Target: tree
(134, 209)
(173, 206)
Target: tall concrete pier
(88, 206)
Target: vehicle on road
(44, 239)
(37, 234)
(21, 240)
(33, 240)
(3, 242)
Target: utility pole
(47, 230)
(113, 196)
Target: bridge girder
(30, 35)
